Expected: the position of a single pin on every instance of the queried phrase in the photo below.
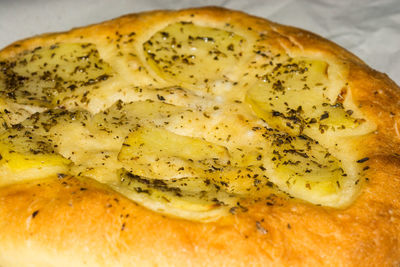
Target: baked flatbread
(199, 137)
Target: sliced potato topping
(306, 170)
(293, 97)
(195, 56)
(24, 156)
(191, 198)
(226, 123)
(49, 76)
(147, 145)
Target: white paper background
(370, 29)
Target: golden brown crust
(71, 222)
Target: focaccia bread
(198, 137)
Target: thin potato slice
(49, 76)
(158, 153)
(189, 198)
(306, 170)
(26, 156)
(194, 56)
(294, 97)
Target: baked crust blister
(78, 221)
